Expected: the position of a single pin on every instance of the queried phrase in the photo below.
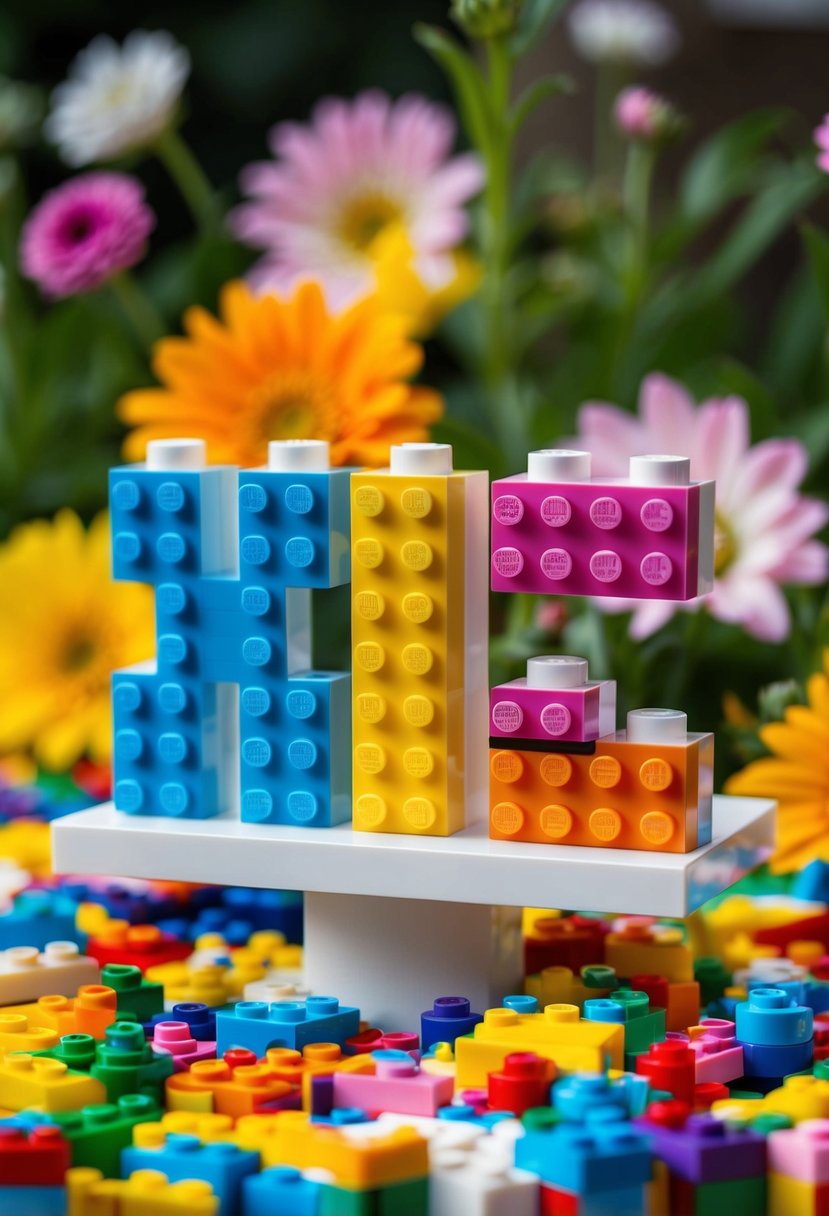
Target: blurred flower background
(500, 224)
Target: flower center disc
(365, 217)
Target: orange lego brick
(90, 1012)
(625, 795)
(361, 1163)
(236, 1085)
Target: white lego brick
(467, 868)
(481, 1182)
(705, 560)
(270, 991)
(59, 970)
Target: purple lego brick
(707, 1150)
(600, 537)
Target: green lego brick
(741, 1197)
(337, 1201)
(138, 998)
(404, 1199)
(97, 1134)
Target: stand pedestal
(391, 957)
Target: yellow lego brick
(556, 1034)
(790, 1197)
(643, 949)
(34, 1081)
(415, 665)
(560, 986)
(441, 1063)
(208, 1128)
(18, 1033)
(529, 916)
(207, 983)
(89, 1012)
(743, 914)
(799, 1097)
(28, 845)
(144, 1193)
(289, 1138)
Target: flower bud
(646, 117)
(486, 18)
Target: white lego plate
(466, 868)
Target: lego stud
(558, 464)
(550, 671)
(299, 456)
(176, 455)
(428, 459)
(657, 726)
(660, 470)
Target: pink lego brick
(556, 531)
(397, 1084)
(801, 1152)
(174, 1037)
(555, 701)
(718, 1057)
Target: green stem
(607, 146)
(636, 195)
(189, 176)
(140, 311)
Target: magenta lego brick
(600, 537)
(578, 715)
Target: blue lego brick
(282, 1190)
(760, 1060)
(448, 1019)
(32, 1201)
(37, 917)
(224, 1166)
(627, 1201)
(200, 1019)
(577, 1095)
(600, 1155)
(258, 1026)
(461, 1113)
(812, 882)
(769, 1018)
(280, 910)
(177, 726)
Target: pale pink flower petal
(649, 616)
(611, 435)
(722, 439)
(667, 413)
(337, 182)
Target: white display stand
(393, 921)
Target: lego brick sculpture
(233, 558)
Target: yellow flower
(797, 775)
(402, 292)
(64, 626)
(284, 369)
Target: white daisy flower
(635, 32)
(117, 98)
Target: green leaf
(812, 430)
(466, 79)
(789, 189)
(534, 94)
(724, 167)
(536, 18)
(817, 247)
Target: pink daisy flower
(765, 528)
(358, 168)
(84, 232)
(822, 141)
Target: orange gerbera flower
(274, 368)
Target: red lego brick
(555, 1202)
(670, 1065)
(709, 1092)
(809, 929)
(522, 1083)
(572, 941)
(137, 945)
(39, 1157)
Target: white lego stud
(657, 726)
(425, 459)
(176, 455)
(299, 456)
(660, 470)
(558, 464)
(552, 671)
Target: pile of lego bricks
(148, 1069)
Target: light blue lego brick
(37, 917)
(770, 1018)
(588, 1158)
(295, 759)
(281, 1190)
(258, 1026)
(224, 1166)
(578, 1095)
(32, 1201)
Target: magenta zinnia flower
(359, 168)
(764, 527)
(84, 232)
(822, 141)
